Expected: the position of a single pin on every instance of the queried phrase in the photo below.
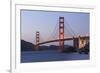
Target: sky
(47, 23)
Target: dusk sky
(47, 23)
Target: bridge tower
(61, 33)
(37, 40)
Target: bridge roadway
(71, 38)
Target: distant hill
(51, 47)
(26, 46)
(69, 49)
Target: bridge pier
(83, 42)
(80, 42)
(76, 42)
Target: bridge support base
(76, 43)
(36, 47)
(80, 42)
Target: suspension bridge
(78, 41)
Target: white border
(16, 66)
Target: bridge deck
(71, 38)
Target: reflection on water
(51, 55)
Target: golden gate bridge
(78, 41)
